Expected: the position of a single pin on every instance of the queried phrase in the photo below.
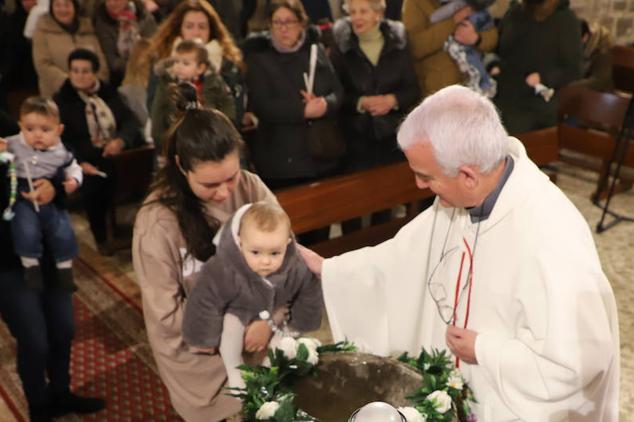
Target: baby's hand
(203, 350)
(533, 79)
(70, 185)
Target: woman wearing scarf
(56, 35)
(97, 127)
(119, 24)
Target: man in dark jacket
(540, 42)
(41, 322)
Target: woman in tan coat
(56, 35)
(199, 188)
(434, 68)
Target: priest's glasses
(437, 286)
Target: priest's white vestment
(548, 342)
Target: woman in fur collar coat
(380, 85)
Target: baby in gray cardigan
(38, 153)
(255, 273)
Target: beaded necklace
(7, 157)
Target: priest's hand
(313, 260)
(461, 342)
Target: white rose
(267, 410)
(455, 380)
(313, 356)
(441, 401)
(288, 346)
(412, 415)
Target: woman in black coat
(373, 64)
(82, 95)
(276, 62)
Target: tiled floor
(616, 249)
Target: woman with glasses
(97, 127)
(276, 63)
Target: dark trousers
(96, 195)
(42, 324)
(51, 224)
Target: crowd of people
(244, 98)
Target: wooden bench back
(341, 198)
(623, 68)
(542, 145)
(134, 173)
(590, 120)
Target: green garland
(268, 396)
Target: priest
(502, 271)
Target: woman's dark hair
(74, 26)
(198, 135)
(585, 28)
(84, 54)
(294, 6)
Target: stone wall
(616, 15)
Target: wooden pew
(341, 198)
(542, 145)
(133, 169)
(589, 122)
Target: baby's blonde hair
(266, 217)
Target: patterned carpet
(112, 358)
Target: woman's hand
(249, 122)
(280, 315)
(113, 147)
(462, 14)
(379, 105)
(70, 185)
(533, 79)
(315, 107)
(257, 336)
(314, 262)
(43, 192)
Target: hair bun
(185, 97)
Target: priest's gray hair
(462, 126)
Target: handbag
(325, 141)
